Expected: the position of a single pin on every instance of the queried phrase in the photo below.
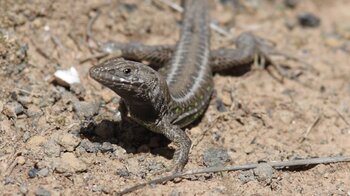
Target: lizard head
(130, 80)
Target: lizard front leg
(182, 142)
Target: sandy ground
(58, 140)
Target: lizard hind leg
(264, 49)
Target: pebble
(86, 109)
(220, 106)
(42, 192)
(9, 180)
(1, 106)
(36, 141)
(333, 41)
(309, 20)
(23, 189)
(291, 3)
(43, 172)
(96, 188)
(107, 147)
(21, 160)
(90, 146)
(24, 100)
(52, 149)
(78, 89)
(263, 173)
(69, 163)
(67, 77)
(34, 110)
(155, 166)
(12, 109)
(246, 176)
(123, 172)
(215, 157)
(68, 141)
(32, 173)
(286, 116)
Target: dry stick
(310, 128)
(342, 117)
(213, 26)
(274, 164)
(89, 28)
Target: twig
(94, 56)
(29, 93)
(342, 117)
(89, 27)
(310, 128)
(274, 164)
(213, 25)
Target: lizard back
(188, 74)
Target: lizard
(176, 90)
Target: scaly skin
(176, 95)
(166, 102)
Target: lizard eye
(126, 70)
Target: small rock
(96, 188)
(86, 109)
(42, 192)
(107, 147)
(220, 106)
(226, 99)
(69, 163)
(333, 41)
(246, 176)
(12, 109)
(175, 192)
(43, 172)
(34, 110)
(67, 77)
(290, 24)
(26, 136)
(9, 180)
(36, 141)
(155, 166)
(78, 89)
(1, 106)
(123, 172)
(215, 157)
(263, 173)
(308, 20)
(89, 146)
(21, 160)
(33, 172)
(24, 100)
(286, 116)
(52, 149)
(23, 189)
(291, 3)
(345, 47)
(68, 141)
